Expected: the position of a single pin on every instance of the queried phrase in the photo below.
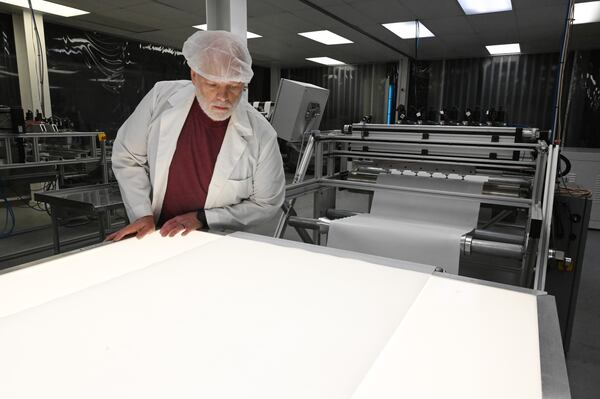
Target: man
(192, 155)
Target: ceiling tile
(500, 22)
(449, 26)
(383, 11)
(433, 9)
(257, 8)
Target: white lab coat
(248, 181)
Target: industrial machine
(510, 242)
(35, 162)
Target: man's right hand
(140, 228)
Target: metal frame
(37, 162)
(535, 171)
(58, 202)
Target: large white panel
(230, 319)
(461, 340)
(34, 285)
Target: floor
(583, 359)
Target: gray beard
(215, 117)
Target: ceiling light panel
(326, 61)
(472, 7)
(586, 13)
(249, 35)
(326, 37)
(499, 49)
(409, 29)
(47, 7)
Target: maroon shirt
(193, 163)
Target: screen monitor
(294, 99)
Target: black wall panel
(9, 77)
(354, 91)
(97, 80)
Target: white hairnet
(219, 56)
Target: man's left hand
(182, 223)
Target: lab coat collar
(239, 119)
(233, 147)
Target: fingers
(187, 231)
(167, 227)
(178, 228)
(173, 227)
(110, 237)
(125, 231)
(146, 229)
(138, 228)
(117, 235)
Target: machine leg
(55, 236)
(102, 225)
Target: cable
(10, 215)
(558, 132)
(563, 158)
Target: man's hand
(186, 223)
(140, 228)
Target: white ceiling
(536, 24)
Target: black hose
(562, 173)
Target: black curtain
(9, 76)
(97, 80)
(583, 101)
(522, 85)
(354, 91)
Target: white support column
(29, 55)
(275, 79)
(403, 79)
(229, 15)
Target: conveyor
(509, 243)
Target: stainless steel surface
(465, 244)
(438, 159)
(94, 200)
(555, 382)
(547, 208)
(97, 197)
(430, 143)
(58, 134)
(298, 177)
(495, 248)
(497, 236)
(308, 223)
(49, 163)
(492, 130)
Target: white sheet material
(442, 347)
(230, 319)
(423, 228)
(34, 285)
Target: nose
(222, 94)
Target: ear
(193, 75)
